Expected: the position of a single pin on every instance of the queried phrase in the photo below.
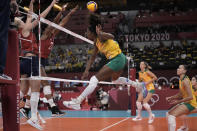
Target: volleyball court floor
(105, 121)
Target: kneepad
(93, 81)
(47, 90)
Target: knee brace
(93, 81)
(47, 90)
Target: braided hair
(94, 20)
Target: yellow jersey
(110, 48)
(144, 77)
(195, 92)
(184, 92)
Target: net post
(133, 92)
(10, 88)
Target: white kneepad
(93, 84)
(47, 90)
(93, 81)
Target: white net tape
(62, 80)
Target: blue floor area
(103, 114)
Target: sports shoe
(25, 112)
(35, 123)
(137, 118)
(5, 77)
(41, 119)
(183, 128)
(56, 112)
(151, 119)
(73, 104)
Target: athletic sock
(139, 108)
(171, 123)
(147, 107)
(89, 89)
(34, 104)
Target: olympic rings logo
(154, 99)
(167, 82)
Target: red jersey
(28, 46)
(46, 47)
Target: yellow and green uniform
(192, 104)
(195, 92)
(144, 77)
(112, 51)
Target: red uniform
(46, 47)
(28, 46)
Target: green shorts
(189, 106)
(117, 63)
(151, 91)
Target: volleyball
(92, 6)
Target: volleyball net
(10, 90)
(61, 65)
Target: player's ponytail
(188, 67)
(148, 67)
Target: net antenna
(39, 36)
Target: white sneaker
(73, 104)
(41, 119)
(35, 123)
(5, 77)
(151, 119)
(183, 128)
(137, 118)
